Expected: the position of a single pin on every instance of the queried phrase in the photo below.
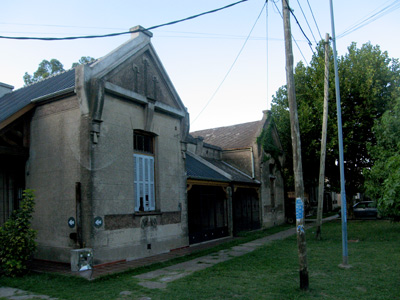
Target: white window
(143, 156)
(144, 182)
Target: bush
(17, 239)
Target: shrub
(17, 239)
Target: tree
(46, 68)
(83, 60)
(54, 66)
(383, 178)
(369, 82)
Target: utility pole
(345, 263)
(323, 142)
(296, 147)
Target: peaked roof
(214, 170)
(15, 101)
(231, 137)
(197, 170)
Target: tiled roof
(197, 170)
(231, 137)
(17, 100)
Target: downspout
(252, 163)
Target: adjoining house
(254, 149)
(103, 147)
(222, 200)
(106, 148)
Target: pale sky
(197, 54)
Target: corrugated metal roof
(237, 175)
(197, 170)
(17, 100)
(231, 137)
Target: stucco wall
(52, 171)
(272, 213)
(241, 159)
(126, 234)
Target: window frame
(144, 171)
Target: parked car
(364, 210)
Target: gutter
(52, 95)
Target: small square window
(143, 142)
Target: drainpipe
(252, 163)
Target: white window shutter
(136, 183)
(144, 182)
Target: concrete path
(17, 294)
(159, 279)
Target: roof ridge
(41, 80)
(226, 126)
(54, 75)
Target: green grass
(270, 272)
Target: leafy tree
(383, 179)
(17, 239)
(46, 68)
(369, 81)
(83, 60)
(54, 66)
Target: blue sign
(98, 222)
(299, 209)
(71, 222)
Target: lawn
(270, 272)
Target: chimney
(5, 89)
(140, 31)
(199, 145)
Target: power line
(369, 19)
(292, 35)
(305, 18)
(320, 36)
(125, 32)
(231, 67)
(297, 21)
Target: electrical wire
(292, 35)
(125, 32)
(230, 68)
(305, 18)
(297, 21)
(369, 19)
(315, 21)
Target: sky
(223, 74)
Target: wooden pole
(323, 142)
(296, 147)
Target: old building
(102, 146)
(222, 200)
(254, 149)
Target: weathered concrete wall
(272, 213)
(52, 171)
(204, 150)
(241, 159)
(126, 234)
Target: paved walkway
(158, 278)
(16, 294)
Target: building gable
(142, 74)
